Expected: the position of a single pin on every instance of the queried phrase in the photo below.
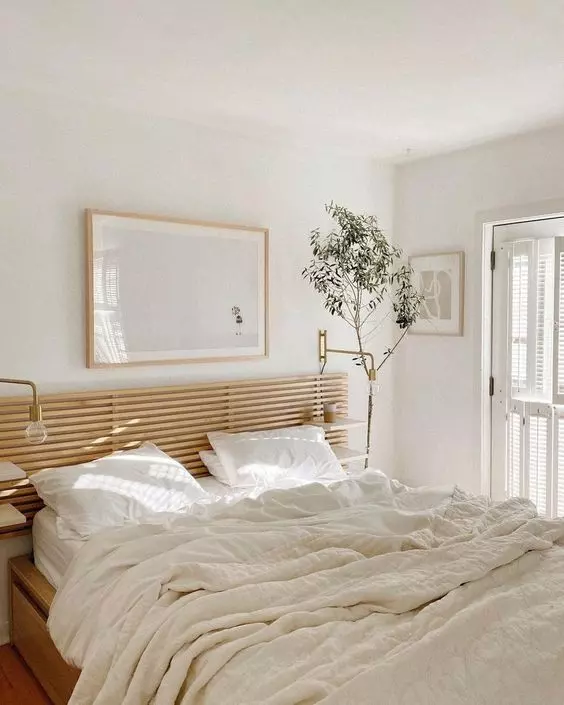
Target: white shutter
(519, 318)
(557, 484)
(529, 454)
(558, 477)
(530, 345)
(558, 361)
(537, 473)
(544, 324)
(515, 443)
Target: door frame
(485, 226)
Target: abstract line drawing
(440, 280)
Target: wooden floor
(17, 685)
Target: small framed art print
(439, 278)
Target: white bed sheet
(51, 554)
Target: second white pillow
(266, 457)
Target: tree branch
(391, 352)
(366, 336)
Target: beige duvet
(365, 592)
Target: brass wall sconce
(323, 350)
(36, 432)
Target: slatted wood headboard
(86, 425)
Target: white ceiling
(374, 76)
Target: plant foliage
(361, 276)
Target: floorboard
(17, 684)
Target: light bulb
(373, 386)
(36, 432)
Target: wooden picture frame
(439, 277)
(163, 290)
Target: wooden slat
(85, 425)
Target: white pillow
(213, 464)
(126, 486)
(267, 457)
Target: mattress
(51, 554)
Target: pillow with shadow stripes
(126, 486)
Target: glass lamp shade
(36, 432)
(373, 386)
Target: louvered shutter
(533, 328)
(544, 322)
(558, 358)
(558, 465)
(515, 443)
(537, 473)
(531, 343)
(521, 256)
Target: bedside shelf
(10, 472)
(10, 516)
(342, 423)
(348, 455)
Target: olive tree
(363, 280)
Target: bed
(87, 424)
(356, 591)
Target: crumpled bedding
(362, 592)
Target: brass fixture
(323, 350)
(36, 432)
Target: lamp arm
(26, 382)
(323, 350)
(359, 354)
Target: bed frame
(86, 425)
(30, 600)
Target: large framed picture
(163, 291)
(439, 278)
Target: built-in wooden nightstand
(11, 478)
(342, 423)
(10, 516)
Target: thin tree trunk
(370, 395)
(369, 423)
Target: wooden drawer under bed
(31, 596)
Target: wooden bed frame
(30, 600)
(86, 425)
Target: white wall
(439, 204)
(57, 158)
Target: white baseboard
(4, 632)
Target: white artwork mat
(167, 291)
(439, 279)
